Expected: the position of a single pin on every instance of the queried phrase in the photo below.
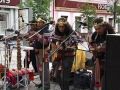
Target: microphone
(83, 23)
(10, 30)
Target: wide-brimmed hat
(41, 20)
(61, 21)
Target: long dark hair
(108, 28)
(67, 31)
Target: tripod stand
(5, 76)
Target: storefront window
(111, 21)
(3, 23)
(77, 24)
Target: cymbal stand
(6, 47)
(5, 69)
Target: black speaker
(112, 63)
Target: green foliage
(118, 20)
(111, 9)
(40, 7)
(88, 9)
(89, 12)
(117, 11)
(90, 22)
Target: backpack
(82, 79)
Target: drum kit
(15, 77)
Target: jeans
(64, 75)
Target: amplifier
(112, 63)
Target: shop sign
(9, 2)
(102, 6)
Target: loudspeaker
(112, 63)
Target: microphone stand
(43, 64)
(37, 32)
(43, 56)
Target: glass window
(3, 23)
(77, 23)
(111, 21)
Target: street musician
(98, 47)
(63, 58)
(41, 44)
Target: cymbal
(25, 47)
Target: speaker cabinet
(112, 63)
